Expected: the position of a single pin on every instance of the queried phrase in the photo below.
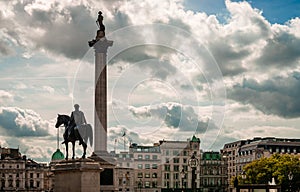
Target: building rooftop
(211, 156)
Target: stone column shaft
(100, 116)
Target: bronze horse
(74, 135)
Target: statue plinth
(77, 176)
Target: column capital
(102, 45)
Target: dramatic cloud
(22, 122)
(281, 51)
(44, 48)
(174, 115)
(276, 96)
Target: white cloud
(23, 122)
(5, 97)
(49, 89)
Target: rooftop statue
(101, 32)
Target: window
(10, 181)
(176, 160)
(167, 176)
(176, 167)
(167, 152)
(175, 176)
(185, 153)
(31, 184)
(140, 175)
(154, 175)
(147, 166)
(37, 175)
(31, 175)
(185, 167)
(147, 184)
(154, 166)
(147, 175)
(154, 157)
(167, 167)
(167, 160)
(167, 184)
(175, 152)
(147, 156)
(17, 175)
(37, 184)
(140, 166)
(184, 161)
(140, 156)
(17, 166)
(17, 183)
(154, 184)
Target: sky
(220, 70)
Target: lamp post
(193, 163)
(182, 174)
(290, 176)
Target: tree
(262, 171)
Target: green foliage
(262, 171)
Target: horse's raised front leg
(67, 150)
(73, 149)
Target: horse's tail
(89, 132)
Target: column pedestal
(77, 176)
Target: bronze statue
(101, 32)
(73, 133)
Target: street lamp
(290, 176)
(182, 174)
(193, 163)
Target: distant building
(18, 173)
(147, 169)
(242, 152)
(213, 172)
(174, 160)
(124, 172)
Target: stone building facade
(147, 169)
(174, 159)
(213, 172)
(18, 173)
(242, 152)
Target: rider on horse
(78, 117)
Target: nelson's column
(100, 45)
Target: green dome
(57, 155)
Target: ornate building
(241, 152)
(174, 159)
(19, 173)
(213, 172)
